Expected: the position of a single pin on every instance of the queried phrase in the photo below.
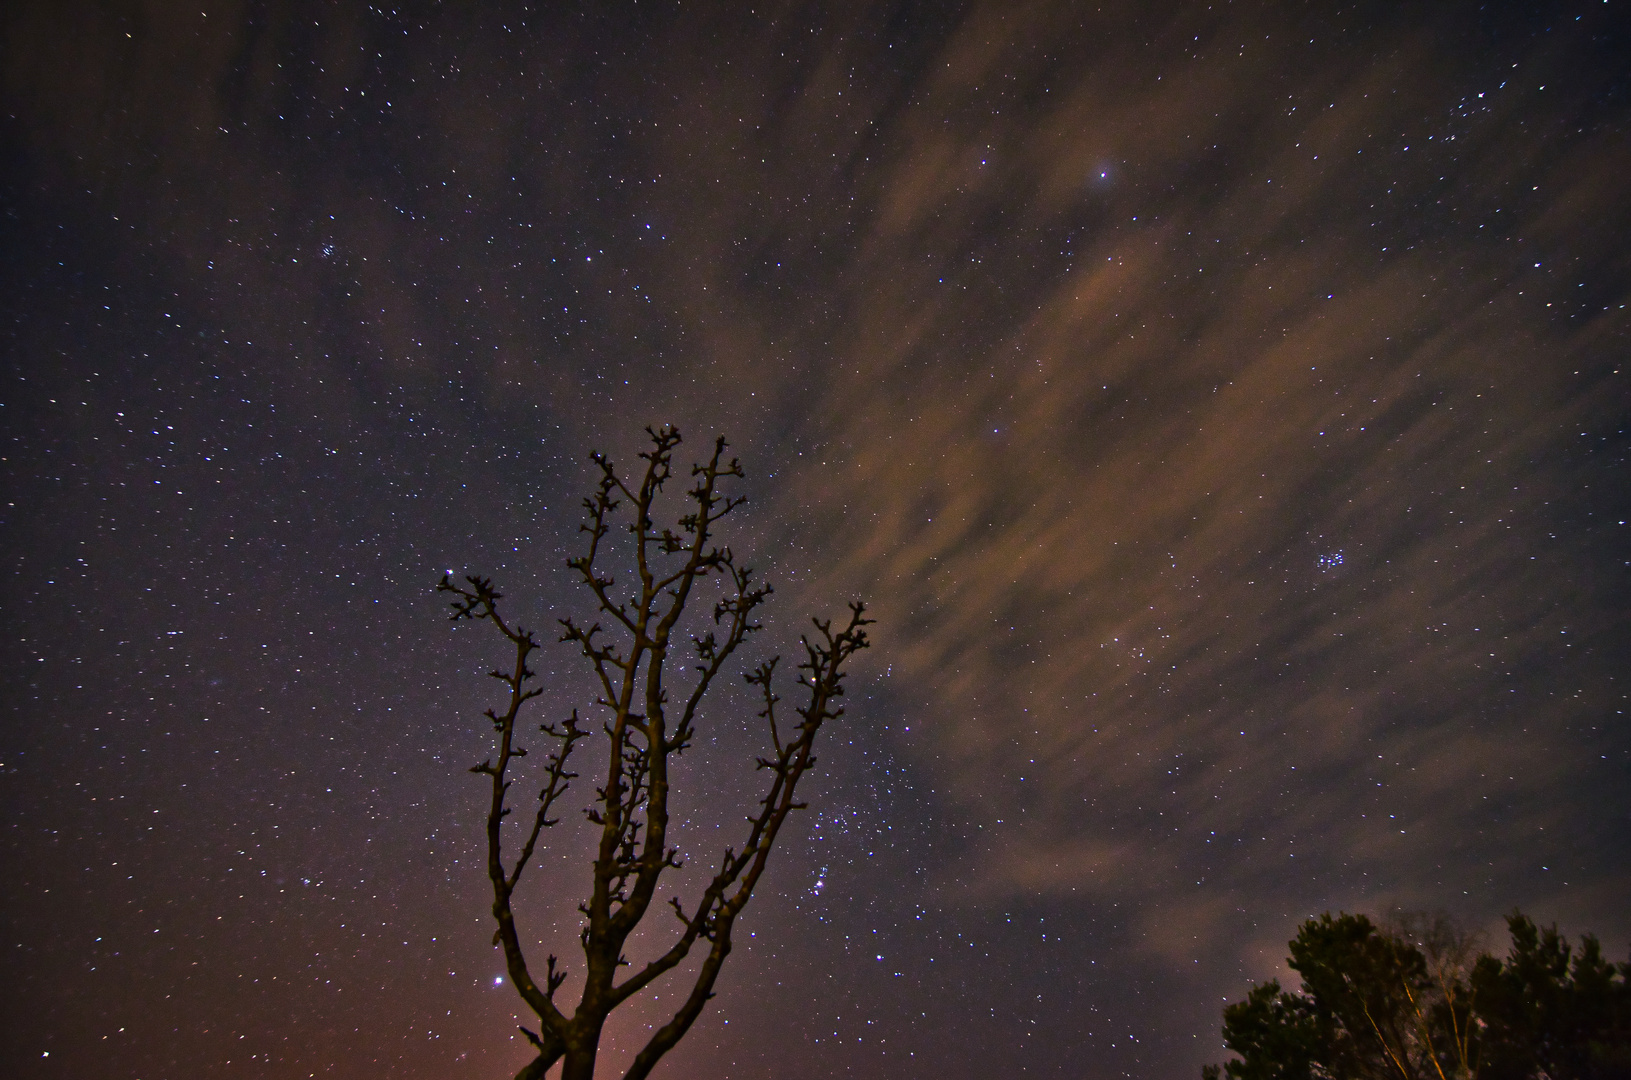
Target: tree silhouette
(1410, 1001)
(1549, 1010)
(646, 722)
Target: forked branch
(628, 648)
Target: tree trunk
(578, 1063)
(535, 1069)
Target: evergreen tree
(1547, 1010)
(1410, 1002)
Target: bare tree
(1443, 1016)
(632, 656)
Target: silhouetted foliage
(1412, 1002)
(649, 716)
(1549, 1010)
(1277, 1035)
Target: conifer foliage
(1415, 1000)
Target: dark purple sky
(1222, 408)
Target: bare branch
(630, 661)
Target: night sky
(1222, 409)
